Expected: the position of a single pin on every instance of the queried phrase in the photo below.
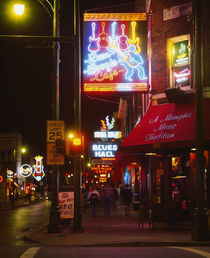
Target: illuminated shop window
(180, 63)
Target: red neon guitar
(94, 42)
(123, 39)
(103, 37)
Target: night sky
(26, 77)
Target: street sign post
(55, 131)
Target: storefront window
(181, 195)
(179, 62)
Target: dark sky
(26, 76)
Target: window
(179, 62)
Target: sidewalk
(17, 204)
(116, 230)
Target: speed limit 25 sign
(55, 130)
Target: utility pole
(201, 216)
(77, 108)
(54, 223)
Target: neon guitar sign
(94, 42)
(115, 52)
(123, 39)
(103, 37)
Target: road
(15, 223)
(102, 252)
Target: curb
(125, 244)
(29, 238)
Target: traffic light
(75, 145)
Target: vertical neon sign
(114, 50)
(38, 173)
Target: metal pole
(13, 173)
(54, 223)
(77, 108)
(201, 216)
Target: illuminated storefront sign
(9, 173)
(180, 53)
(25, 170)
(182, 77)
(101, 169)
(108, 134)
(107, 125)
(102, 178)
(115, 47)
(102, 150)
(38, 173)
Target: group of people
(108, 197)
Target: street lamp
(56, 39)
(23, 150)
(18, 9)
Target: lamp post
(54, 221)
(19, 10)
(56, 39)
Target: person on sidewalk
(93, 197)
(127, 199)
(107, 196)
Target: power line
(110, 101)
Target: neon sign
(25, 170)
(104, 150)
(101, 169)
(108, 134)
(182, 76)
(38, 173)
(9, 173)
(106, 125)
(180, 53)
(115, 52)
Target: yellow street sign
(54, 158)
(55, 131)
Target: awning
(164, 128)
(117, 176)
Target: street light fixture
(18, 9)
(23, 150)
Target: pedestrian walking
(93, 197)
(127, 199)
(107, 195)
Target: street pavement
(115, 230)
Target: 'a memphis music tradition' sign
(114, 52)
